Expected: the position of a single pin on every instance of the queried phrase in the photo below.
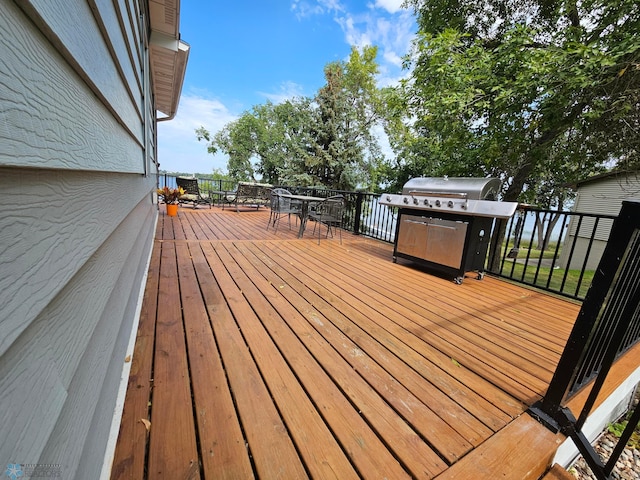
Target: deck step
(523, 450)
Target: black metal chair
(282, 206)
(194, 195)
(329, 212)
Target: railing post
(608, 324)
(358, 213)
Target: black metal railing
(553, 250)
(363, 214)
(205, 184)
(607, 326)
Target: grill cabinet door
(412, 236)
(446, 242)
(433, 239)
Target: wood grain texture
(31, 398)
(266, 433)
(127, 299)
(558, 473)
(76, 225)
(114, 23)
(222, 445)
(130, 15)
(50, 117)
(510, 454)
(62, 372)
(172, 446)
(53, 222)
(129, 456)
(330, 359)
(368, 454)
(72, 27)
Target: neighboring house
(80, 85)
(601, 195)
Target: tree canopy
(537, 92)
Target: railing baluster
(599, 336)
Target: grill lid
(465, 187)
(464, 196)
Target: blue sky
(246, 52)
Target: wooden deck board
(420, 309)
(266, 434)
(172, 451)
(224, 454)
(423, 405)
(276, 357)
(461, 319)
(314, 441)
(370, 454)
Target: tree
(539, 93)
(284, 141)
(327, 140)
(346, 153)
(535, 92)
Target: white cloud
(178, 147)
(288, 91)
(392, 34)
(332, 5)
(391, 6)
(384, 23)
(308, 8)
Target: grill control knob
(405, 200)
(426, 203)
(416, 201)
(450, 204)
(388, 198)
(438, 203)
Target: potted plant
(170, 197)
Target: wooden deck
(261, 355)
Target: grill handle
(422, 193)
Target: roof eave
(168, 56)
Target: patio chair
(281, 206)
(329, 212)
(194, 195)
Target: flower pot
(172, 209)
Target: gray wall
(77, 174)
(603, 195)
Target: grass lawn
(545, 277)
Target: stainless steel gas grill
(445, 223)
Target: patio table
(305, 201)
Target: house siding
(601, 196)
(605, 196)
(78, 169)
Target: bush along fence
(552, 250)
